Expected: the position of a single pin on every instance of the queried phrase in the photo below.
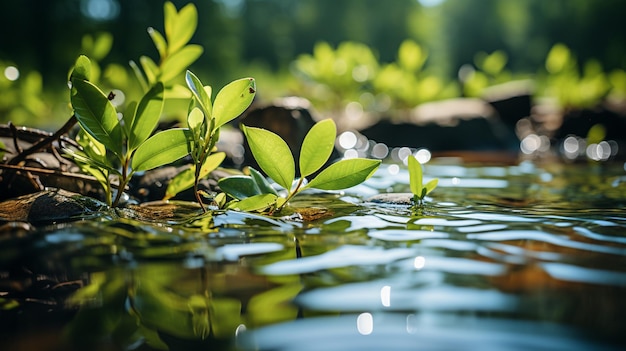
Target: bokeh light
(11, 73)
(365, 323)
(100, 10)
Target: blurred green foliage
(569, 85)
(498, 39)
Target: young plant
(175, 54)
(418, 188)
(120, 147)
(205, 119)
(253, 193)
(113, 146)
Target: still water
(516, 257)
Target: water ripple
(348, 255)
(535, 235)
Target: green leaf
(232, 100)
(239, 187)
(159, 41)
(84, 158)
(415, 176)
(162, 148)
(200, 92)
(92, 148)
(3, 149)
(82, 68)
(146, 116)
(254, 203)
(272, 154)
(264, 186)
(185, 179)
(170, 16)
(195, 121)
(317, 146)
(150, 69)
(344, 174)
(178, 62)
(431, 185)
(102, 45)
(140, 77)
(181, 182)
(96, 114)
(128, 116)
(183, 28)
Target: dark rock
(456, 124)
(578, 122)
(512, 101)
(48, 206)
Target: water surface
(523, 257)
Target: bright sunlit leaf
(185, 179)
(232, 100)
(201, 93)
(182, 28)
(96, 114)
(254, 203)
(82, 68)
(146, 116)
(162, 148)
(239, 187)
(317, 147)
(415, 175)
(272, 154)
(158, 40)
(344, 174)
(261, 182)
(431, 185)
(150, 68)
(178, 62)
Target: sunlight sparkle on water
(365, 323)
(419, 262)
(395, 169)
(423, 155)
(380, 151)
(352, 153)
(347, 140)
(385, 295)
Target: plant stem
(124, 179)
(292, 194)
(196, 182)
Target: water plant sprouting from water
(253, 193)
(416, 182)
(205, 118)
(119, 147)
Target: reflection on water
(521, 257)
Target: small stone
(392, 199)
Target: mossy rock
(48, 206)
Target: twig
(52, 172)
(44, 142)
